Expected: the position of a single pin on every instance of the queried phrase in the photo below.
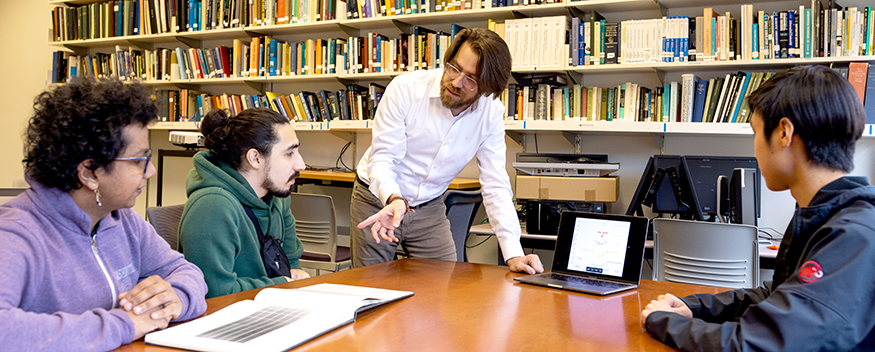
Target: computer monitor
(704, 172)
(666, 188)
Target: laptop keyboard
(584, 281)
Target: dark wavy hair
(824, 108)
(79, 121)
(493, 68)
(230, 137)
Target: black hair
(826, 112)
(230, 137)
(493, 68)
(79, 121)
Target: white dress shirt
(419, 147)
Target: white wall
(25, 60)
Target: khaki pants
(424, 233)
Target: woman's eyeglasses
(144, 159)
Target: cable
(770, 236)
(481, 242)
(339, 160)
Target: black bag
(276, 263)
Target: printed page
(278, 319)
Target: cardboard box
(589, 189)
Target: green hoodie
(216, 234)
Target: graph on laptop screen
(599, 246)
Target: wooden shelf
(342, 176)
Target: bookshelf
(627, 142)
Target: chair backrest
(461, 206)
(6, 194)
(706, 253)
(315, 223)
(166, 222)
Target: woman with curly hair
(81, 270)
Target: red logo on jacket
(810, 272)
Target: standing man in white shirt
(428, 126)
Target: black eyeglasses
(144, 159)
(454, 72)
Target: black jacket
(827, 305)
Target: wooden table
(474, 307)
(340, 176)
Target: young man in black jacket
(806, 121)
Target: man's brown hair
(493, 68)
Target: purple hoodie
(59, 287)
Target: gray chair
(462, 207)
(705, 253)
(316, 227)
(166, 222)
(6, 194)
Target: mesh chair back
(315, 223)
(706, 253)
(462, 207)
(166, 222)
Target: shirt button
(434, 167)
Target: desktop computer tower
(542, 216)
(742, 196)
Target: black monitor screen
(704, 171)
(656, 191)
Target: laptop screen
(602, 245)
(599, 246)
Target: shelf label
(514, 124)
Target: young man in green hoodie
(252, 162)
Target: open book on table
(276, 320)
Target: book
(688, 94)
(277, 319)
(699, 101)
(857, 75)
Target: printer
(550, 184)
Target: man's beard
(451, 103)
(273, 189)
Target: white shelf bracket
(574, 138)
(660, 75)
(258, 86)
(140, 44)
(79, 50)
(518, 137)
(403, 26)
(659, 138)
(191, 43)
(350, 31)
(576, 77)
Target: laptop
(595, 253)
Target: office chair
(462, 207)
(165, 220)
(6, 194)
(316, 227)
(706, 253)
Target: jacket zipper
(103, 268)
